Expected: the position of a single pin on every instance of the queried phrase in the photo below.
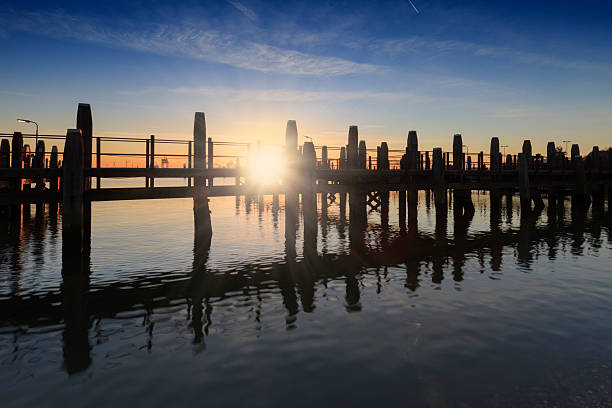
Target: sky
(517, 70)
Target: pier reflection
(372, 248)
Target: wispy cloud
(187, 41)
(287, 95)
(250, 14)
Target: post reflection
(300, 279)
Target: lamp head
(24, 121)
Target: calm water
(498, 310)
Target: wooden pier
(65, 174)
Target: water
(499, 310)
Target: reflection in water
(305, 275)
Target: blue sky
(539, 70)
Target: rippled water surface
(502, 309)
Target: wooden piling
(352, 150)
(575, 151)
(412, 149)
(527, 153)
(73, 187)
(199, 146)
(210, 158)
(201, 211)
(457, 152)
(324, 159)
(85, 123)
(342, 159)
(152, 159)
(39, 163)
(98, 160)
(291, 140)
(494, 165)
(384, 157)
(551, 152)
(5, 161)
(53, 163)
(362, 154)
(147, 159)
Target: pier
(72, 174)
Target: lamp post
(504, 147)
(566, 142)
(31, 121)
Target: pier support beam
(72, 204)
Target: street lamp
(504, 147)
(31, 121)
(566, 142)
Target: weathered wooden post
(524, 182)
(73, 222)
(342, 160)
(509, 165)
(469, 163)
(147, 160)
(210, 160)
(412, 149)
(189, 161)
(85, 123)
(16, 163)
(551, 151)
(494, 155)
(527, 153)
(201, 211)
(324, 160)
(575, 151)
(427, 161)
(384, 157)
(5, 161)
(291, 140)
(352, 150)
(362, 155)
(152, 159)
(309, 198)
(457, 152)
(98, 159)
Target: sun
(267, 165)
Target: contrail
(413, 6)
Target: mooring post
(201, 211)
(524, 182)
(494, 156)
(53, 181)
(5, 162)
(575, 151)
(85, 123)
(551, 151)
(98, 159)
(324, 160)
(458, 152)
(412, 149)
(384, 157)
(72, 203)
(309, 162)
(362, 155)
(210, 161)
(189, 161)
(147, 160)
(352, 151)
(427, 161)
(152, 159)
(39, 163)
(16, 163)
(527, 153)
(342, 159)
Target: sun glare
(267, 166)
